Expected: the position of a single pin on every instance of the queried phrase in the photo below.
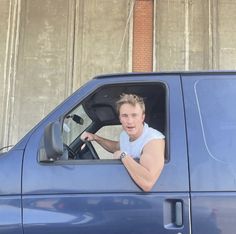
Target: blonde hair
(131, 99)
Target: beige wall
(49, 48)
(9, 18)
(61, 44)
(3, 44)
(195, 35)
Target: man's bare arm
(147, 171)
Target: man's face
(132, 118)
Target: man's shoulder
(155, 133)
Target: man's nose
(129, 119)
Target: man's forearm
(109, 145)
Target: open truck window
(97, 114)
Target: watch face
(123, 154)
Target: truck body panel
(83, 191)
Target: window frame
(95, 127)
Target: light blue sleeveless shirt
(134, 148)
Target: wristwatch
(122, 155)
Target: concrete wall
(195, 35)
(49, 48)
(59, 46)
(9, 19)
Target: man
(137, 140)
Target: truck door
(211, 127)
(98, 196)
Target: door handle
(173, 213)
(178, 213)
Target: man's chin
(131, 132)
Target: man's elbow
(147, 186)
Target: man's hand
(87, 136)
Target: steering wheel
(71, 153)
(91, 149)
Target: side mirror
(51, 147)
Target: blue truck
(52, 182)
